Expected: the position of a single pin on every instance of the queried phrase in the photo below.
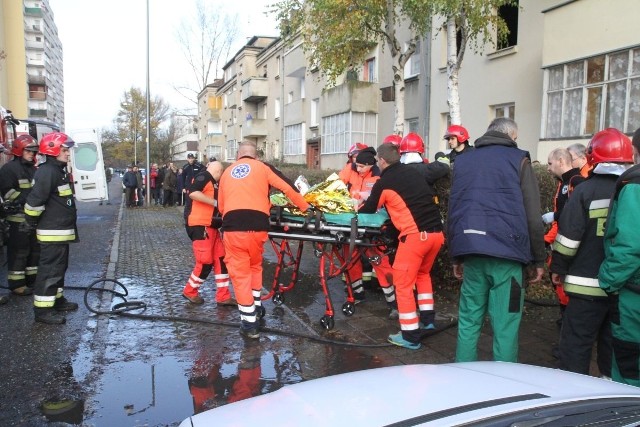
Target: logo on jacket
(565, 189)
(240, 171)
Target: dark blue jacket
(494, 205)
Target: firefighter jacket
(51, 204)
(16, 181)
(621, 265)
(578, 249)
(244, 194)
(494, 204)
(453, 153)
(401, 190)
(199, 213)
(566, 184)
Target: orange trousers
(243, 257)
(414, 259)
(208, 253)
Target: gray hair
(504, 125)
(579, 150)
(561, 153)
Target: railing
(37, 95)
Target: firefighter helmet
(51, 143)
(392, 139)
(609, 146)
(356, 148)
(459, 132)
(412, 143)
(24, 142)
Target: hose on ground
(126, 307)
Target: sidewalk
(155, 253)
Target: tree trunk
(453, 67)
(398, 104)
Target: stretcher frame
(329, 242)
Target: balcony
(37, 95)
(32, 44)
(254, 128)
(36, 79)
(294, 112)
(37, 113)
(33, 11)
(350, 96)
(255, 89)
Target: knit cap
(367, 157)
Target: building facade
(31, 76)
(567, 70)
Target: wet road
(109, 370)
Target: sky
(104, 48)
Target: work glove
(547, 218)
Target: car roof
(445, 394)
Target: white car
(475, 393)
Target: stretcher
(339, 240)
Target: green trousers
(625, 328)
(492, 285)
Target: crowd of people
(498, 239)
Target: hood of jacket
(495, 138)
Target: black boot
(62, 304)
(49, 316)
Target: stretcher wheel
(327, 322)
(348, 308)
(278, 298)
(260, 311)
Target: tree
(338, 34)
(206, 40)
(130, 130)
(474, 23)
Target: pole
(148, 183)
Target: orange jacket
(202, 213)
(243, 197)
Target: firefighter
(50, 208)
(411, 150)
(244, 204)
(208, 250)
(458, 138)
(578, 252)
(619, 274)
(401, 190)
(559, 164)
(23, 250)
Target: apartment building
(567, 70)
(31, 77)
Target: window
(232, 149)
(505, 110)
(214, 127)
(214, 151)
(276, 109)
(412, 68)
(302, 94)
(369, 70)
(412, 125)
(586, 96)
(277, 66)
(509, 13)
(340, 131)
(315, 112)
(293, 140)
(290, 97)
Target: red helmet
(609, 146)
(412, 143)
(24, 142)
(356, 148)
(461, 134)
(392, 139)
(51, 143)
